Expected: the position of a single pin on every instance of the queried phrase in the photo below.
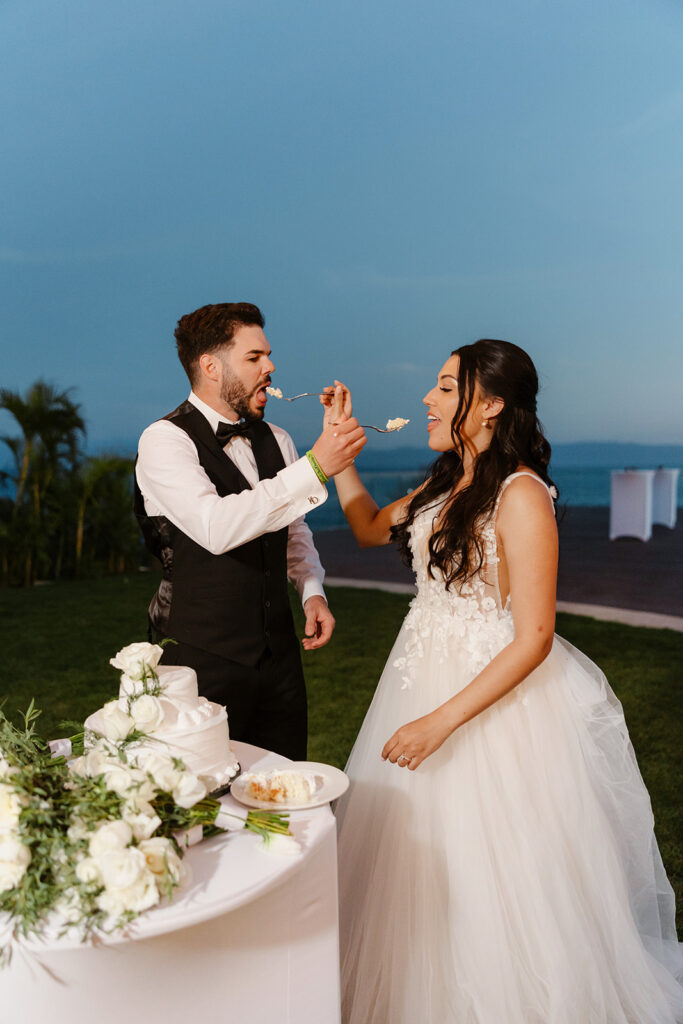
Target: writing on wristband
(317, 468)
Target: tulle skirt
(514, 878)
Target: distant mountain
(376, 458)
(616, 455)
(578, 455)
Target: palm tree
(50, 424)
(105, 487)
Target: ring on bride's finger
(404, 757)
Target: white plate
(333, 783)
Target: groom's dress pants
(266, 704)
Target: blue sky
(387, 180)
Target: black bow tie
(226, 431)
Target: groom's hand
(319, 623)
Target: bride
(497, 857)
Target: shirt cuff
(303, 481)
(312, 588)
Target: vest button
(267, 603)
(267, 572)
(265, 542)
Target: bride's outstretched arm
(528, 533)
(371, 525)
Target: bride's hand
(412, 743)
(337, 403)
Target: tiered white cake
(176, 721)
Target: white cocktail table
(664, 497)
(252, 939)
(631, 497)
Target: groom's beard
(234, 394)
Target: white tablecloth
(631, 504)
(253, 939)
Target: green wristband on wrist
(317, 468)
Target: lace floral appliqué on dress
(468, 615)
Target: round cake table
(253, 938)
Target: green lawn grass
(57, 641)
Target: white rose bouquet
(92, 843)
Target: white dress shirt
(174, 485)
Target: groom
(220, 496)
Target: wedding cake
(164, 709)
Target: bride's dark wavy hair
(502, 370)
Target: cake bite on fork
(277, 393)
(398, 423)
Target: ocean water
(588, 487)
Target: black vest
(235, 604)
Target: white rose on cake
(93, 763)
(118, 778)
(100, 758)
(116, 724)
(160, 766)
(14, 859)
(137, 660)
(147, 713)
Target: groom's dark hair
(210, 328)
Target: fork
(369, 426)
(304, 394)
(317, 394)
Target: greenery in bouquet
(93, 842)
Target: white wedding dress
(514, 877)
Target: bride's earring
(486, 425)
